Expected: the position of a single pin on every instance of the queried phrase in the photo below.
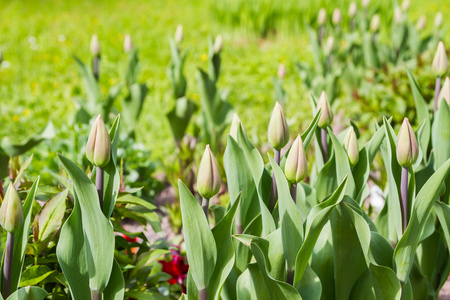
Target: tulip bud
(352, 9)
(398, 15)
(438, 20)
(278, 129)
(407, 148)
(281, 71)
(329, 45)
(179, 34)
(208, 179)
(322, 17)
(351, 146)
(421, 23)
(127, 44)
(218, 44)
(296, 163)
(375, 23)
(235, 127)
(98, 148)
(11, 213)
(95, 45)
(445, 92)
(337, 17)
(365, 3)
(326, 115)
(405, 5)
(440, 61)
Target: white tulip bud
(179, 34)
(337, 16)
(352, 9)
(322, 17)
(127, 44)
(95, 45)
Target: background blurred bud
(296, 168)
(208, 178)
(329, 45)
(322, 17)
(398, 15)
(278, 129)
(375, 23)
(11, 213)
(440, 61)
(352, 9)
(218, 44)
(365, 3)
(98, 148)
(95, 45)
(421, 23)
(337, 16)
(351, 146)
(326, 115)
(235, 127)
(281, 71)
(405, 5)
(127, 44)
(445, 92)
(179, 34)
(407, 148)
(438, 20)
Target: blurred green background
(39, 78)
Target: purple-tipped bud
(421, 23)
(337, 16)
(98, 148)
(127, 44)
(407, 147)
(278, 129)
(95, 45)
(296, 168)
(322, 17)
(326, 115)
(208, 179)
(445, 92)
(438, 20)
(351, 146)
(352, 9)
(440, 61)
(11, 213)
(218, 44)
(235, 127)
(281, 71)
(179, 34)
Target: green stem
(95, 295)
(294, 192)
(324, 145)
(437, 90)
(203, 294)
(205, 206)
(404, 195)
(290, 277)
(99, 181)
(7, 265)
(273, 194)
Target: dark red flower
(176, 268)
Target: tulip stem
(205, 206)
(404, 195)
(290, 277)
(95, 295)
(273, 194)
(324, 145)
(437, 90)
(321, 33)
(99, 185)
(203, 294)
(95, 63)
(7, 265)
(294, 192)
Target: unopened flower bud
(281, 71)
(352, 9)
(440, 61)
(235, 127)
(296, 163)
(208, 179)
(351, 146)
(98, 148)
(322, 17)
(365, 3)
(127, 44)
(421, 23)
(445, 92)
(337, 17)
(179, 34)
(218, 44)
(375, 23)
(398, 15)
(407, 148)
(278, 129)
(405, 5)
(11, 213)
(438, 20)
(95, 45)
(326, 115)
(329, 45)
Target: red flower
(176, 268)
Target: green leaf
(443, 214)
(386, 284)
(35, 275)
(146, 295)
(180, 116)
(405, 251)
(309, 286)
(21, 237)
(99, 235)
(129, 199)
(250, 285)
(116, 286)
(310, 131)
(29, 293)
(201, 248)
(441, 135)
(23, 167)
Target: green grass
(42, 79)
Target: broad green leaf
(309, 286)
(129, 199)
(21, 237)
(380, 249)
(326, 180)
(116, 285)
(291, 222)
(146, 295)
(441, 135)
(29, 293)
(250, 285)
(112, 176)
(406, 247)
(23, 167)
(385, 282)
(180, 116)
(201, 248)
(99, 235)
(310, 131)
(243, 253)
(35, 275)
(225, 251)
(443, 214)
